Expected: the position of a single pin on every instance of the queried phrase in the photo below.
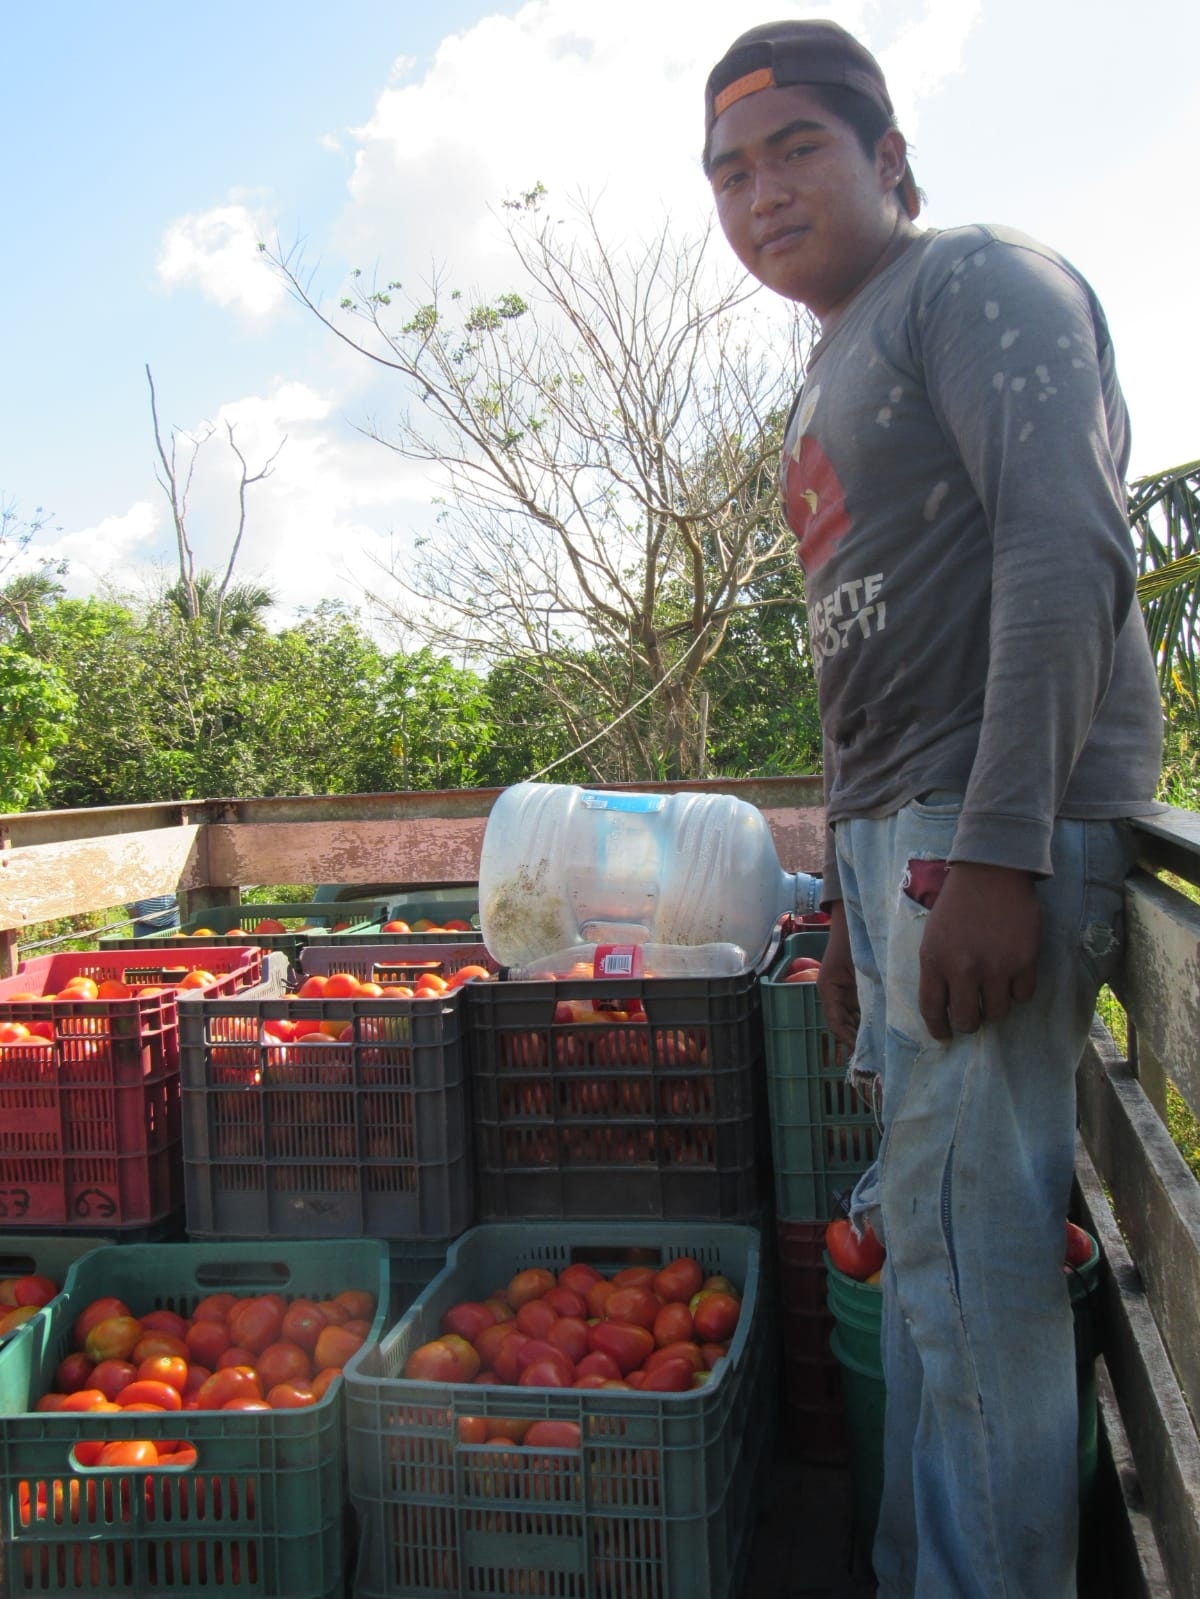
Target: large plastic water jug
(563, 865)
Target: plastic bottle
(605, 961)
(563, 865)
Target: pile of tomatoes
(253, 1352)
(659, 1331)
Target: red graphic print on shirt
(813, 502)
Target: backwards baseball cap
(776, 54)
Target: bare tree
(175, 479)
(608, 443)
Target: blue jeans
(970, 1193)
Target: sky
(146, 150)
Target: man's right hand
(837, 984)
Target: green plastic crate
(659, 1501)
(416, 906)
(262, 1511)
(824, 1134)
(306, 922)
(43, 1255)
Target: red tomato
(291, 1396)
(129, 1452)
(506, 1355)
(673, 1376)
(207, 1341)
(324, 1380)
(1079, 1247)
(358, 1302)
(302, 1321)
(255, 1323)
(114, 1338)
(856, 1257)
(34, 1290)
(110, 1376)
(98, 1310)
(570, 1334)
(555, 1435)
(164, 1321)
(547, 1373)
(673, 1323)
(158, 1343)
(214, 1307)
(679, 1280)
(633, 1304)
(235, 1355)
(536, 1317)
(143, 1392)
(282, 1362)
(597, 1364)
(627, 1344)
(434, 1361)
(235, 1382)
(531, 1283)
(635, 1277)
(468, 1319)
(164, 1368)
(566, 1301)
(715, 1317)
(684, 1350)
(335, 1345)
(72, 1372)
(579, 1277)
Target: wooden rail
(1133, 1187)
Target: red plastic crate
(90, 1131)
(812, 1377)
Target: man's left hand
(979, 951)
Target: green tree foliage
(36, 709)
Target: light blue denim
(970, 1192)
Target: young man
(953, 471)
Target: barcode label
(617, 960)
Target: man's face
(807, 211)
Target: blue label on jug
(622, 802)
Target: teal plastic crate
(437, 906)
(42, 1255)
(304, 922)
(657, 1503)
(262, 1511)
(824, 1134)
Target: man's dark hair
(869, 121)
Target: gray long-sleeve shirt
(954, 473)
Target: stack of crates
(824, 1135)
(617, 1123)
(90, 1130)
(358, 1126)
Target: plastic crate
(26, 1254)
(262, 1511)
(90, 1130)
(360, 955)
(447, 905)
(366, 1138)
(661, 1117)
(304, 922)
(812, 1376)
(413, 1264)
(824, 1133)
(659, 1501)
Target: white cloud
(105, 551)
(217, 250)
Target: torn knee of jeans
(1101, 939)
